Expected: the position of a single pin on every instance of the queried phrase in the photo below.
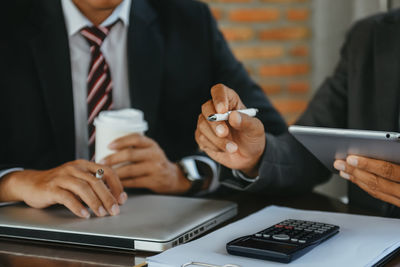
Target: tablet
(328, 144)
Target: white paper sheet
(362, 241)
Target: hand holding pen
(252, 112)
(229, 135)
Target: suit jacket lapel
(387, 73)
(51, 54)
(145, 53)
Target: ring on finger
(100, 174)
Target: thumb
(250, 126)
(249, 136)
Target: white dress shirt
(114, 49)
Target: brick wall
(272, 39)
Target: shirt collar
(75, 20)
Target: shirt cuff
(236, 180)
(5, 172)
(240, 175)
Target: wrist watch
(192, 169)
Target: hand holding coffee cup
(114, 124)
(137, 159)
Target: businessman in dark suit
(62, 62)
(363, 93)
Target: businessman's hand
(145, 165)
(237, 143)
(378, 178)
(69, 185)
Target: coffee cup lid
(129, 119)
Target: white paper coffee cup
(113, 124)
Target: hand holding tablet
(329, 144)
(369, 159)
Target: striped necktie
(99, 82)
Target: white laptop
(146, 222)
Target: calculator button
(281, 237)
(278, 226)
(294, 240)
(308, 230)
(266, 236)
(302, 241)
(258, 235)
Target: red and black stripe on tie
(99, 82)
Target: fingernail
(103, 162)
(239, 118)
(345, 175)
(220, 108)
(112, 146)
(220, 129)
(115, 210)
(353, 161)
(102, 211)
(85, 214)
(339, 165)
(123, 197)
(231, 147)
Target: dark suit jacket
(175, 55)
(362, 93)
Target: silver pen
(252, 112)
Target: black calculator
(283, 242)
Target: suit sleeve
(287, 167)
